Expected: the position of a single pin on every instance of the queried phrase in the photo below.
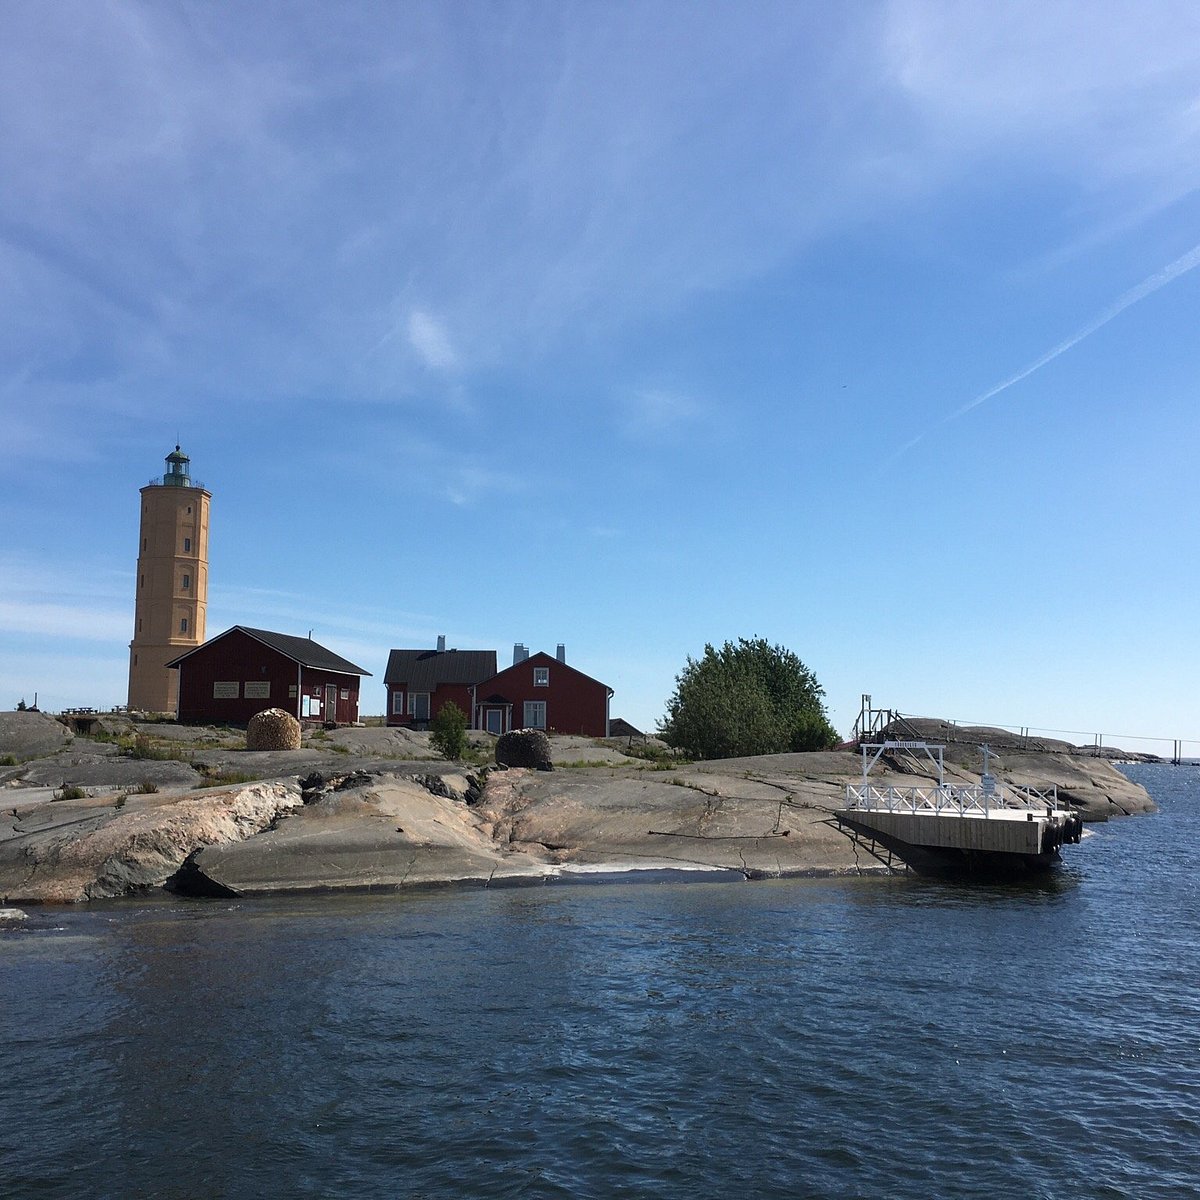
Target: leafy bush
(652, 752)
(448, 731)
(70, 791)
(146, 788)
(8, 760)
(745, 699)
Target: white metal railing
(951, 798)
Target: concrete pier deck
(955, 824)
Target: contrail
(1147, 287)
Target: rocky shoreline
(377, 810)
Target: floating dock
(983, 827)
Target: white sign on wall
(224, 690)
(257, 689)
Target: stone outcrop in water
(372, 824)
(67, 851)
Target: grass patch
(649, 752)
(70, 791)
(146, 788)
(142, 747)
(213, 777)
(481, 753)
(8, 760)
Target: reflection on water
(872, 1037)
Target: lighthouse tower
(172, 584)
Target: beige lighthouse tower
(172, 584)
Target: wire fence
(1175, 749)
(1108, 745)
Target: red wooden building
(420, 682)
(541, 692)
(242, 671)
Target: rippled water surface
(840, 1038)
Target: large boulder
(273, 729)
(524, 748)
(26, 735)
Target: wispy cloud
(90, 604)
(82, 621)
(1172, 271)
(428, 337)
(466, 484)
(600, 173)
(653, 411)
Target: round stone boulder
(524, 748)
(273, 729)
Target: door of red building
(331, 713)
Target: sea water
(854, 1037)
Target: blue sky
(870, 329)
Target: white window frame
(534, 709)
(541, 676)
(398, 703)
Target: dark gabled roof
(300, 650)
(426, 670)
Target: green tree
(449, 731)
(746, 698)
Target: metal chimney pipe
(441, 643)
(561, 655)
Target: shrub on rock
(273, 729)
(524, 748)
(449, 736)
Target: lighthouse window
(183, 624)
(187, 544)
(187, 582)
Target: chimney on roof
(441, 643)
(561, 653)
(520, 653)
